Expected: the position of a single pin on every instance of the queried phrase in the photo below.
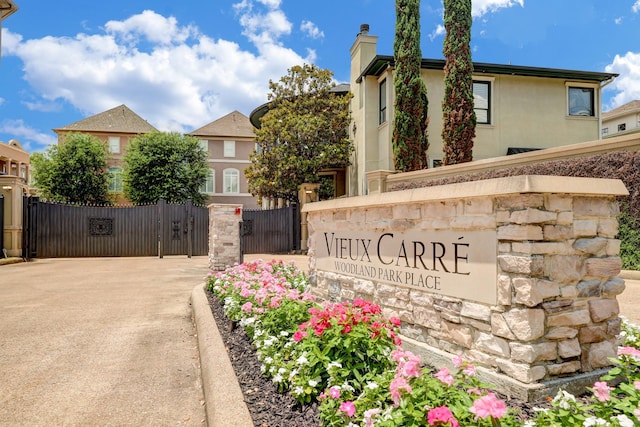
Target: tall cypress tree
(459, 118)
(410, 141)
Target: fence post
(161, 226)
(2, 226)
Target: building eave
(7, 7)
(380, 63)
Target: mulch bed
(268, 407)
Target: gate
(273, 231)
(53, 230)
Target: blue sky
(183, 64)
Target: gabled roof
(629, 107)
(234, 124)
(381, 62)
(119, 119)
(7, 7)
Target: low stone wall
(224, 235)
(516, 274)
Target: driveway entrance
(100, 341)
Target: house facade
(622, 120)
(116, 127)
(518, 109)
(229, 141)
(15, 172)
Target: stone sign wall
(519, 274)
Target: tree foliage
(161, 165)
(304, 132)
(410, 142)
(74, 171)
(459, 119)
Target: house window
(605, 131)
(482, 101)
(204, 145)
(581, 101)
(209, 185)
(115, 180)
(622, 127)
(229, 148)
(114, 144)
(382, 97)
(231, 181)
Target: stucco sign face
(458, 264)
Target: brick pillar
(224, 235)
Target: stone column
(224, 235)
(307, 193)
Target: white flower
(313, 383)
(284, 333)
(372, 385)
(298, 390)
(624, 421)
(594, 421)
(346, 387)
(564, 399)
(282, 371)
(529, 423)
(263, 368)
(334, 365)
(277, 378)
(268, 360)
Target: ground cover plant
(347, 360)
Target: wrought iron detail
(175, 229)
(246, 227)
(101, 226)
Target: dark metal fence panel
(81, 231)
(200, 231)
(268, 231)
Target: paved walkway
(100, 342)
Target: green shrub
(629, 235)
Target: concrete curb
(224, 400)
(629, 274)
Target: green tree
(304, 132)
(161, 165)
(459, 118)
(74, 171)
(410, 142)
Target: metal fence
(273, 231)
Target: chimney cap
(364, 29)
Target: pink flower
(334, 392)
(395, 321)
(348, 408)
(299, 335)
(636, 412)
(636, 384)
(601, 391)
(247, 306)
(457, 361)
(411, 368)
(470, 371)
(444, 376)
(399, 383)
(368, 416)
(629, 351)
(488, 406)
(440, 416)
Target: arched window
(231, 181)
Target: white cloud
(440, 30)
(482, 7)
(171, 75)
(618, 21)
(627, 84)
(1, 101)
(636, 7)
(311, 30)
(30, 139)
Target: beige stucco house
(116, 127)
(622, 120)
(14, 183)
(229, 142)
(518, 109)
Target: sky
(183, 64)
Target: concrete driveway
(100, 342)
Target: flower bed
(348, 359)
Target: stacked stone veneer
(556, 313)
(224, 235)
